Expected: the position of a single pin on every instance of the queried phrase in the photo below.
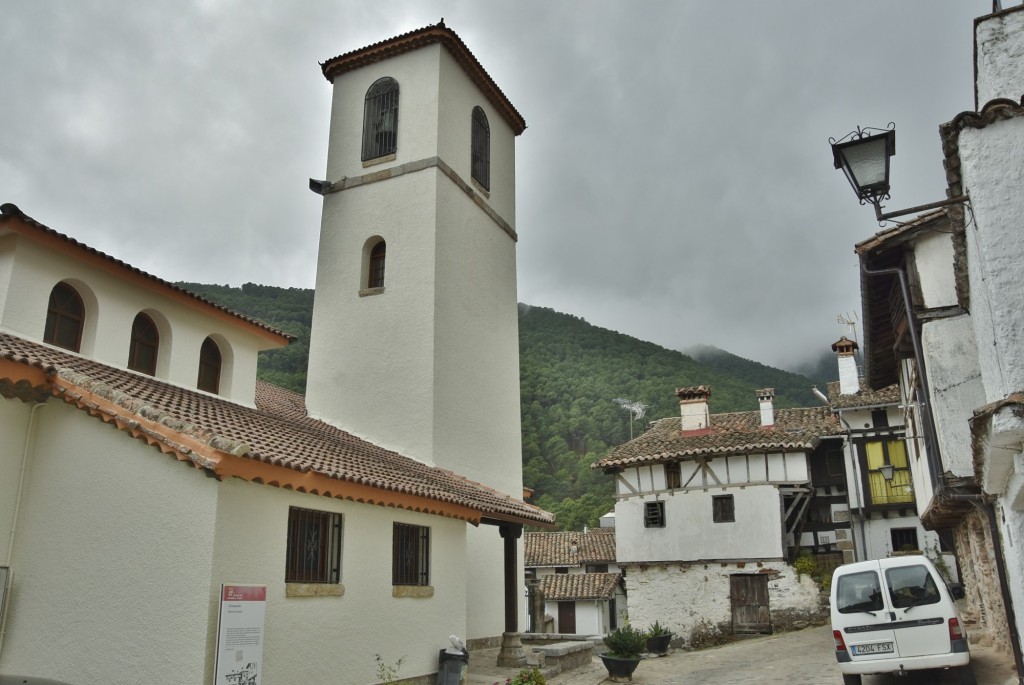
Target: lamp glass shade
(888, 471)
(865, 161)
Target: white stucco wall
(933, 257)
(999, 47)
(680, 597)
(951, 357)
(309, 637)
(691, 534)
(591, 617)
(111, 560)
(111, 306)
(993, 176)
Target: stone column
(511, 653)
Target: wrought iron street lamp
(864, 156)
(888, 471)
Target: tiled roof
(736, 433)
(274, 443)
(436, 33)
(10, 212)
(596, 546)
(571, 586)
(865, 397)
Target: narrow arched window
(377, 255)
(480, 149)
(65, 318)
(209, 367)
(144, 345)
(380, 119)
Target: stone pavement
(804, 657)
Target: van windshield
(911, 586)
(858, 592)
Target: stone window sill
(412, 591)
(380, 160)
(366, 292)
(314, 590)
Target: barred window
(410, 564)
(480, 149)
(209, 367)
(654, 514)
(673, 475)
(377, 255)
(380, 119)
(145, 344)
(65, 318)
(314, 547)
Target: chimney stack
(849, 379)
(767, 410)
(693, 407)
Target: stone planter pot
(619, 670)
(659, 644)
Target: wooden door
(567, 617)
(749, 594)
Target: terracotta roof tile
(277, 432)
(596, 546)
(734, 433)
(10, 212)
(865, 397)
(572, 586)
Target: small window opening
(209, 367)
(380, 119)
(377, 258)
(723, 509)
(480, 149)
(65, 318)
(145, 344)
(654, 514)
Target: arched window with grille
(480, 149)
(209, 367)
(65, 318)
(145, 344)
(376, 270)
(380, 119)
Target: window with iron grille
(723, 509)
(654, 514)
(144, 345)
(904, 539)
(410, 556)
(480, 149)
(377, 255)
(65, 318)
(380, 119)
(314, 547)
(209, 367)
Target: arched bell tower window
(380, 119)
(209, 367)
(144, 345)
(376, 271)
(65, 318)
(480, 149)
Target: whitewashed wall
(683, 596)
(691, 534)
(111, 560)
(111, 306)
(999, 47)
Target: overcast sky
(674, 183)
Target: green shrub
(805, 564)
(626, 642)
(657, 629)
(528, 676)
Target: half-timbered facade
(708, 509)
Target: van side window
(911, 586)
(859, 592)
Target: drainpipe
(938, 483)
(26, 448)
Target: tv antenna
(849, 324)
(636, 411)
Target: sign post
(239, 659)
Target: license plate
(872, 648)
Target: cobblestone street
(803, 657)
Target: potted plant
(625, 645)
(658, 638)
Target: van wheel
(966, 675)
(851, 679)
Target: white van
(896, 615)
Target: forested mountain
(570, 374)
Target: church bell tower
(415, 343)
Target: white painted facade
(593, 616)
(29, 271)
